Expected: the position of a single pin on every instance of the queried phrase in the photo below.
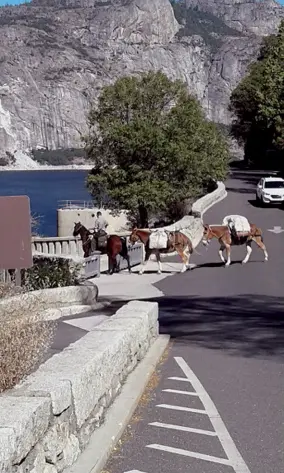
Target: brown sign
(15, 233)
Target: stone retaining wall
(192, 225)
(51, 300)
(47, 420)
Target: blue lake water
(45, 189)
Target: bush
(4, 162)
(24, 339)
(50, 272)
(58, 157)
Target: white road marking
(187, 453)
(177, 378)
(184, 429)
(181, 408)
(176, 391)
(234, 456)
(275, 229)
(134, 471)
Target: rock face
(55, 56)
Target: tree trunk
(143, 216)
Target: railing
(73, 246)
(5, 276)
(76, 204)
(135, 256)
(68, 245)
(92, 266)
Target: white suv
(270, 190)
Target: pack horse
(162, 242)
(234, 230)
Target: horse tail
(258, 233)
(124, 248)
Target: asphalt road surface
(216, 403)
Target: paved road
(226, 413)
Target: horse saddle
(100, 238)
(238, 225)
(158, 239)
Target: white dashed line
(176, 391)
(234, 458)
(182, 408)
(177, 378)
(183, 429)
(187, 453)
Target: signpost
(15, 234)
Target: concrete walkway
(125, 286)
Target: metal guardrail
(92, 266)
(135, 256)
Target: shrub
(4, 161)
(50, 272)
(58, 157)
(24, 338)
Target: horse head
(78, 227)
(134, 236)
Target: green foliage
(50, 272)
(58, 157)
(151, 145)
(258, 101)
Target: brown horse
(112, 245)
(177, 242)
(226, 239)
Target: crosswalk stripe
(183, 428)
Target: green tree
(151, 146)
(258, 101)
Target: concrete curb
(120, 413)
(53, 303)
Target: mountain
(55, 55)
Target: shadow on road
(254, 203)
(247, 325)
(240, 190)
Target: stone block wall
(47, 420)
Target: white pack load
(240, 223)
(158, 240)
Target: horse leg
(124, 253)
(228, 251)
(249, 250)
(259, 241)
(184, 258)
(147, 256)
(158, 258)
(222, 248)
(111, 264)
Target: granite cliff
(55, 55)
